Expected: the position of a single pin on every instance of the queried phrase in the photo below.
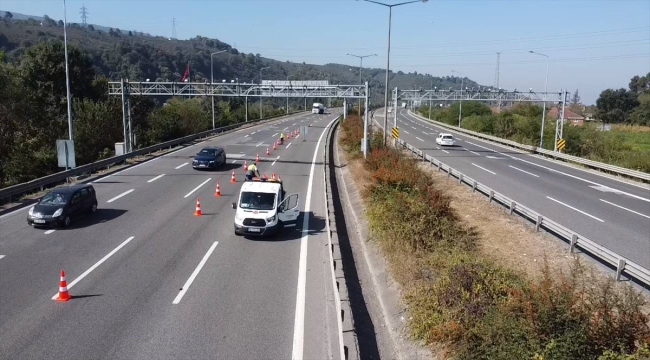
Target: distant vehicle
(318, 108)
(263, 209)
(61, 205)
(445, 139)
(210, 157)
(390, 110)
(403, 105)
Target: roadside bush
(351, 135)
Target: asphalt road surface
(152, 281)
(611, 213)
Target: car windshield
(207, 152)
(54, 199)
(257, 201)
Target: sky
(591, 45)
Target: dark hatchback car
(61, 205)
(210, 157)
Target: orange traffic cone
(257, 158)
(232, 178)
(198, 212)
(265, 177)
(273, 176)
(274, 146)
(63, 289)
(218, 192)
(245, 166)
(267, 152)
(279, 178)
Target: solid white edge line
(180, 166)
(120, 195)
(482, 168)
(194, 274)
(572, 208)
(523, 171)
(70, 285)
(196, 188)
(624, 208)
(156, 178)
(299, 321)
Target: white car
(445, 140)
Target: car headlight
(212, 162)
(58, 213)
(31, 211)
(239, 217)
(270, 219)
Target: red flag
(187, 73)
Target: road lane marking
(70, 285)
(294, 124)
(274, 135)
(475, 153)
(49, 232)
(285, 128)
(523, 171)
(624, 208)
(234, 161)
(572, 208)
(445, 151)
(259, 144)
(1, 256)
(419, 139)
(406, 132)
(120, 195)
(288, 146)
(198, 187)
(253, 133)
(194, 274)
(297, 136)
(246, 135)
(156, 178)
(482, 168)
(180, 166)
(299, 321)
(276, 159)
(425, 133)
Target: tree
(91, 28)
(60, 23)
(575, 99)
(614, 106)
(640, 84)
(8, 15)
(130, 33)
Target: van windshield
(257, 201)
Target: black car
(61, 205)
(210, 157)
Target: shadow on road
(102, 215)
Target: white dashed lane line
(180, 166)
(49, 232)
(576, 209)
(120, 195)
(156, 178)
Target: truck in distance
(318, 108)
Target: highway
(612, 213)
(150, 280)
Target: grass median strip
(461, 299)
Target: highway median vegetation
(627, 144)
(33, 113)
(463, 301)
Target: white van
(263, 209)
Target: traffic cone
(232, 178)
(245, 166)
(296, 132)
(257, 158)
(274, 146)
(198, 212)
(279, 178)
(267, 152)
(218, 192)
(265, 177)
(273, 176)
(63, 289)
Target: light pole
(67, 73)
(460, 106)
(541, 137)
(288, 76)
(360, 70)
(261, 99)
(212, 81)
(390, 14)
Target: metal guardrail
(622, 265)
(635, 174)
(59, 177)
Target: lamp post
(261, 99)
(67, 73)
(212, 81)
(541, 137)
(390, 14)
(360, 71)
(460, 106)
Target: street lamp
(390, 13)
(261, 99)
(541, 137)
(460, 107)
(67, 75)
(360, 70)
(212, 81)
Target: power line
(84, 15)
(552, 60)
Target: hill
(116, 53)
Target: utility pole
(497, 75)
(84, 16)
(173, 28)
